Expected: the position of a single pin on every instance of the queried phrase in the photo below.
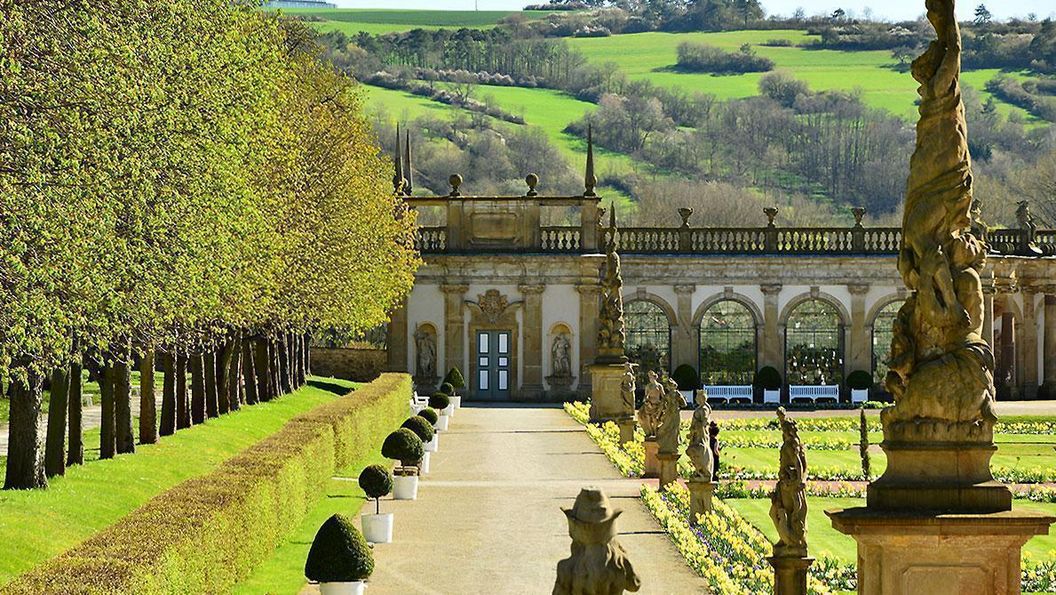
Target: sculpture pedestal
(560, 388)
(700, 493)
(668, 469)
(652, 464)
(939, 554)
(606, 399)
(790, 574)
(627, 425)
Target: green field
(381, 21)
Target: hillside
(351, 21)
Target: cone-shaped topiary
(339, 553)
(447, 389)
(686, 377)
(430, 415)
(422, 427)
(439, 401)
(860, 380)
(454, 378)
(405, 446)
(768, 378)
(376, 482)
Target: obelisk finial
(409, 185)
(590, 181)
(397, 178)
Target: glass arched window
(883, 334)
(727, 344)
(648, 336)
(814, 345)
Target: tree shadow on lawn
(330, 387)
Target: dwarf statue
(598, 564)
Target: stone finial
(771, 215)
(685, 213)
(859, 213)
(590, 180)
(532, 180)
(598, 564)
(398, 181)
(408, 185)
(456, 182)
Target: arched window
(883, 334)
(648, 336)
(814, 345)
(727, 344)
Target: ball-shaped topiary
(430, 415)
(686, 377)
(860, 380)
(447, 388)
(339, 554)
(768, 378)
(454, 378)
(422, 427)
(376, 482)
(439, 401)
(405, 446)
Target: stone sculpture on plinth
(649, 420)
(561, 378)
(788, 511)
(698, 449)
(598, 564)
(936, 521)
(608, 401)
(669, 434)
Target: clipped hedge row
(206, 534)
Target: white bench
(813, 393)
(418, 403)
(727, 393)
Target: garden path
(488, 518)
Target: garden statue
(598, 564)
(627, 386)
(561, 356)
(788, 502)
(611, 334)
(649, 414)
(425, 342)
(698, 450)
(713, 437)
(670, 418)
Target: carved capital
(858, 288)
(456, 289)
(535, 289)
(771, 288)
(587, 289)
(685, 289)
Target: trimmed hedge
(207, 533)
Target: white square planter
(456, 401)
(441, 423)
(425, 462)
(353, 588)
(434, 444)
(377, 528)
(405, 487)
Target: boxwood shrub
(430, 415)
(439, 401)
(339, 554)
(422, 427)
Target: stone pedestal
(790, 574)
(606, 399)
(627, 426)
(939, 554)
(668, 469)
(652, 464)
(700, 493)
(560, 388)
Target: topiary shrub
(686, 377)
(439, 401)
(405, 446)
(422, 427)
(860, 380)
(339, 554)
(768, 378)
(376, 482)
(447, 389)
(430, 415)
(454, 378)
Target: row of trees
(183, 186)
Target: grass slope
(37, 525)
(381, 21)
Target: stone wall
(360, 365)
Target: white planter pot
(434, 444)
(456, 402)
(425, 462)
(353, 588)
(377, 528)
(441, 424)
(450, 410)
(405, 487)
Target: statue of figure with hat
(598, 564)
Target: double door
(493, 365)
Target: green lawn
(381, 21)
(37, 525)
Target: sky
(889, 9)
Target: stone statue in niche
(561, 356)
(598, 564)
(649, 414)
(627, 387)
(788, 502)
(699, 449)
(668, 436)
(425, 344)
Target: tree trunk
(275, 361)
(25, 448)
(148, 415)
(168, 395)
(223, 377)
(183, 411)
(262, 369)
(234, 375)
(249, 377)
(212, 407)
(197, 388)
(55, 446)
(126, 440)
(75, 455)
(284, 364)
(307, 356)
(107, 435)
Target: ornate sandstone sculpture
(598, 564)
(611, 333)
(941, 370)
(670, 418)
(561, 356)
(649, 414)
(627, 386)
(788, 502)
(699, 449)
(425, 343)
